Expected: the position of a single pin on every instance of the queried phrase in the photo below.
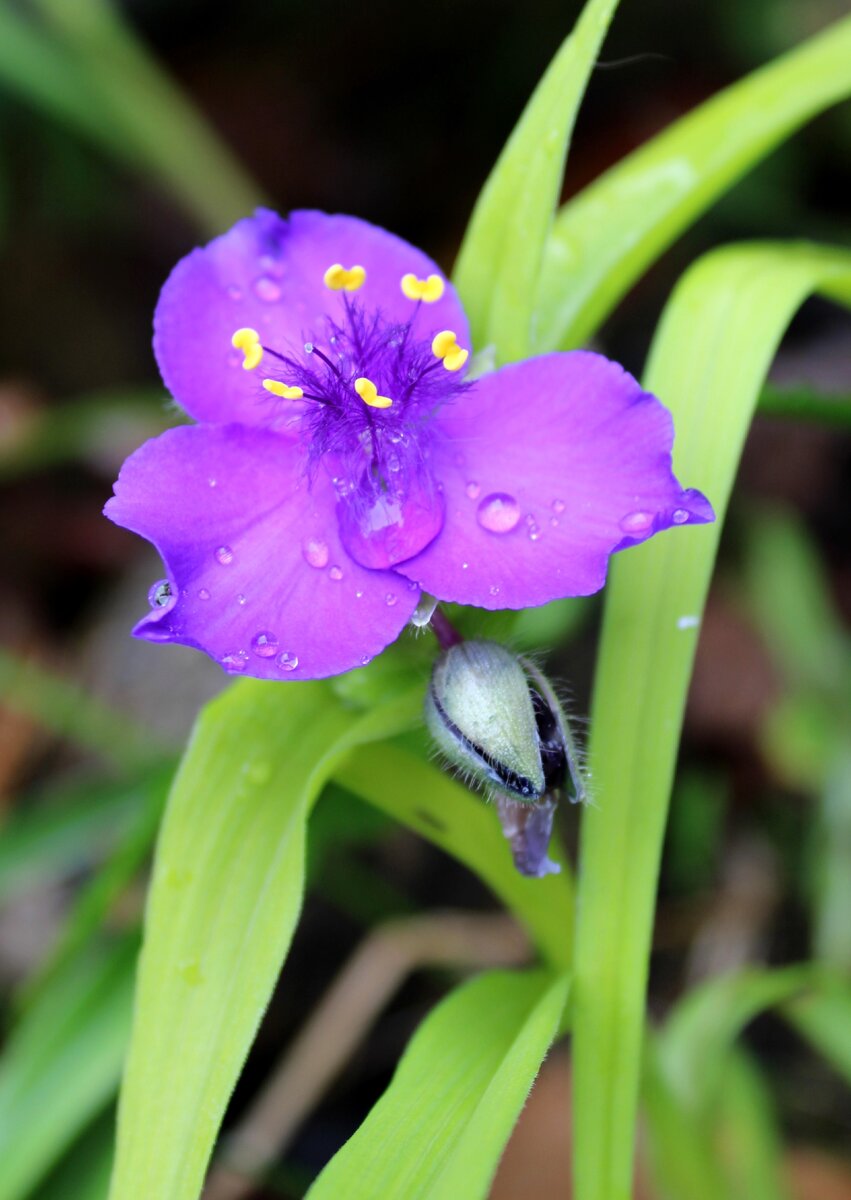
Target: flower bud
(498, 720)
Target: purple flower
(342, 462)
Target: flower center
(363, 393)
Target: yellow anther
(338, 279)
(248, 341)
(368, 392)
(430, 289)
(282, 389)
(445, 346)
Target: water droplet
(308, 347)
(390, 599)
(636, 522)
(212, 482)
(336, 573)
(533, 531)
(190, 971)
(358, 595)
(264, 644)
(367, 658)
(554, 522)
(498, 513)
(287, 661)
(203, 594)
(558, 506)
(688, 622)
(267, 289)
(680, 516)
(235, 663)
(315, 553)
(465, 566)
(473, 490)
(234, 292)
(240, 599)
(224, 555)
(494, 589)
(161, 595)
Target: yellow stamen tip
(282, 389)
(445, 346)
(456, 360)
(248, 341)
(429, 290)
(368, 392)
(338, 279)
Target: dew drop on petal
(235, 663)
(287, 661)
(390, 599)
(558, 506)
(240, 599)
(224, 555)
(680, 516)
(315, 553)
(498, 513)
(358, 595)
(465, 566)
(160, 594)
(365, 660)
(636, 522)
(234, 292)
(267, 289)
(336, 573)
(533, 529)
(494, 589)
(264, 644)
(554, 522)
(212, 482)
(203, 594)
(473, 490)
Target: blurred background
(396, 114)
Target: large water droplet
(224, 555)
(160, 594)
(336, 573)
(267, 289)
(498, 513)
(236, 662)
(264, 644)
(315, 553)
(473, 490)
(636, 522)
(680, 516)
(287, 661)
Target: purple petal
(266, 273)
(549, 466)
(260, 579)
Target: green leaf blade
(440, 1128)
(499, 262)
(708, 362)
(603, 240)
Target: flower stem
(443, 629)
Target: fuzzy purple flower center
(389, 504)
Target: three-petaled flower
(342, 463)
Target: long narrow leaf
(500, 259)
(224, 901)
(709, 359)
(438, 1131)
(604, 239)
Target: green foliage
(62, 1062)
(708, 362)
(440, 1128)
(500, 259)
(223, 904)
(606, 237)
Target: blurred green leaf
(61, 1063)
(422, 797)
(83, 1173)
(223, 904)
(67, 710)
(746, 1133)
(500, 258)
(439, 1130)
(822, 1014)
(605, 237)
(805, 404)
(77, 824)
(708, 362)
